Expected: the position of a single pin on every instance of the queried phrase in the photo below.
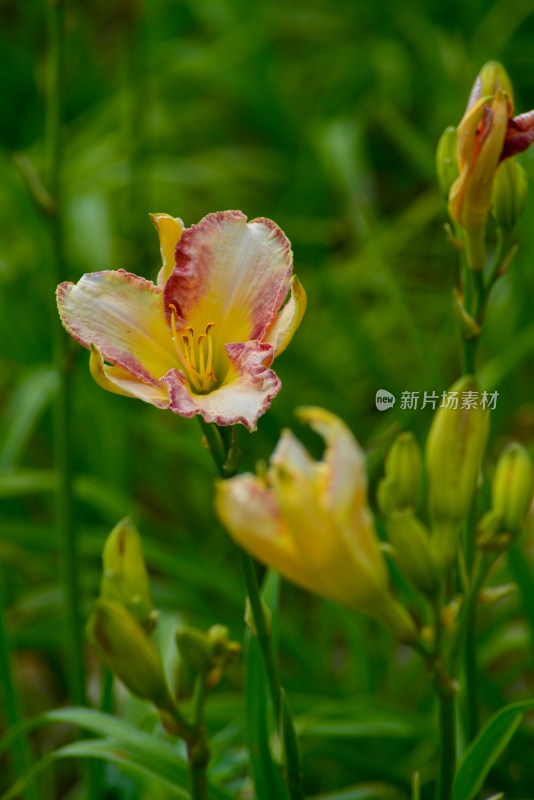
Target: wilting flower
(487, 135)
(481, 136)
(203, 339)
(309, 520)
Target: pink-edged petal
(250, 513)
(230, 272)
(288, 319)
(122, 315)
(118, 381)
(244, 396)
(170, 231)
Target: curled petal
(118, 381)
(230, 272)
(291, 457)
(519, 135)
(244, 396)
(250, 513)
(170, 231)
(122, 315)
(343, 475)
(288, 319)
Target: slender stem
(22, 759)
(467, 612)
(447, 761)
(62, 448)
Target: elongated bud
(510, 192)
(124, 577)
(128, 652)
(403, 467)
(447, 159)
(413, 552)
(512, 488)
(454, 451)
(490, 79)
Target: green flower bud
(512, 488)
(447, 159)
(208, 653)
(124, 577)
(403, 467)
(195, 648)
(510, 192)
(128, 652)
(413, 552)
(491, 78)
(454, 451)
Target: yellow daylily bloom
(309, 520)
(201, 340)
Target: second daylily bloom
(203, 339)
(309, 520)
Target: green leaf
(486, 749)
(105, 749)
(27, 404)
(142, 750)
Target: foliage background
(325, 118)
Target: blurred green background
(323, 117)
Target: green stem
(62, 448)
(22, 759)
(198, 754)
(447, 728)
(281, 710)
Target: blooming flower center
(195, 354)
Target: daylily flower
(309, 520)
(202, 340)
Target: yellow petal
(288, 318)
(249, 511)
(118, 381)
(170, 231)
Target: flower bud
(195, 649)
(447, 159)
(413, 553)
(403, 467)
(128, 652)
(454, 451)
(512, 488)
(207, 652)
(510, 192)
(490, 79)
(124, 577)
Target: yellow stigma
(195, 354)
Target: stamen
(209, 363)
(201, 377)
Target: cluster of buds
(123, 619)
(455, 449)
(475, 164)
(397, 499)
(208, 653)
